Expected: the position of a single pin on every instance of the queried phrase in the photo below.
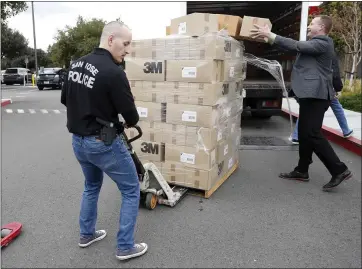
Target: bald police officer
(97, 87)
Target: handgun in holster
(108, 132)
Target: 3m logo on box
(153, 67)
(152, 151)
(140, 69)
(150, 148)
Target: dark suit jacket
(337, 80)
(312, 70)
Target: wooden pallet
(208, 193)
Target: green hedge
(351, 101)
(351, 98)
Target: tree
(11, 8)
(13, 43)
(74, 42)
(347, 21)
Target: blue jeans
(114, 160)
(338, 112)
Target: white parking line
(34, 111)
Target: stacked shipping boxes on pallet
(188, 93)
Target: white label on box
(226, 149)
(142, 112)
(189, 72)
(237, 53)
(187, 158)
(182, 28)
(231, 163)
(190, 116)
(219, 135)
(232, 72)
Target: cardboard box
(226, 148)
(198, 24)
(195, 24)
(179, 174)
(226, 165)
(145, 69)
(151, 131)
(149, 111)
(231, 24)
(150, 91)
(153, 151)
(202, 71)
(205, 47)
(207, 94)
(190, 156)
(192, 115)
(168, 30)
(151, 49)
(233, 70)
(248, 25)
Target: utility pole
(36, 55)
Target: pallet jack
(154, 188)
(9, 232)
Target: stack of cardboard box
(188, 93)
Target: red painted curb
(6, 102)
(352, 144)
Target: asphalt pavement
(254, 220)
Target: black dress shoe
(295, 175)
(336, 180)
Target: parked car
(52, 77)
(16, 75)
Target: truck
(263, 93)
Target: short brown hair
(327, 22)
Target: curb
(352, 144)
(5, 102)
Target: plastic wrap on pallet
(194, 135)
(188, 93)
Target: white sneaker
(136, 251)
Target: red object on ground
(5, 102)
(9, 232)
(352, 144)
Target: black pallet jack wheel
(151, 201)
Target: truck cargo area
(264, 94)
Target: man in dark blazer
(312, 84)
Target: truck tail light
(270, 103)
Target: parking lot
(255, 219)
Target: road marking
(34, 111)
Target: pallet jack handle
(139, 130)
